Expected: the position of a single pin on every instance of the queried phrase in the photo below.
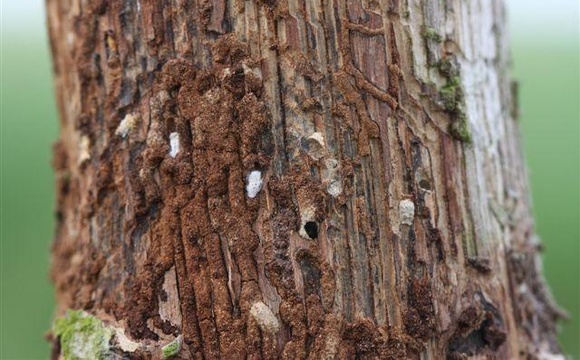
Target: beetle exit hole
(311, 229)
(425, 184)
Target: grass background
(547, 67)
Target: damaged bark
(292, 179)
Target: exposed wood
(295, 179)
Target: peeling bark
(294, 179)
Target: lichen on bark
(82, 336)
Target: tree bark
(292, 179)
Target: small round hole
(311, 229)
(425, 185)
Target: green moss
(452, 99)
(172, 348)
(430, 34)
(451, 95)
(447, 68)
(459, 129)
(82, 336)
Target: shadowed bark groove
(294, 179)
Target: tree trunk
(292, 179)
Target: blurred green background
(546, 62)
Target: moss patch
(448, 69)
(451, 95)
(452, 100)
(82, 336)
(430, 34)
(460, 130)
